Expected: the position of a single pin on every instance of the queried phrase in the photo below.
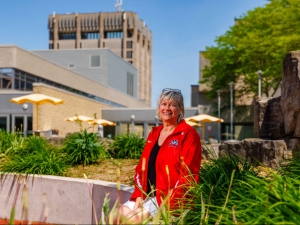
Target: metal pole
(259, 72)
(231, 109)
(156, 120)
(219, 114)
(132, 123)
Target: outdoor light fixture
(132, 117)
(259, 72)
(231, 109)
(25, 106)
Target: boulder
(268, 118)
(290, 94)
(258, 151)
(210, 151)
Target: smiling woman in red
(171, 157)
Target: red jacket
(180, 150)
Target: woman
(171, 157)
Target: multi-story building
(122, 32)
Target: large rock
(268, 152)
(290, 94)
(268, 118)
(210, 151)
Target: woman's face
(169, 111)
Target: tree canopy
(259, 40)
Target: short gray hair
(171, 94)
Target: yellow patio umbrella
(193, 124)
(204, 118)
(102, 122)
(37, 99)
(79, 118)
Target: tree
(259, 41)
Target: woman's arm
(190, 161)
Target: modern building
(122, 32)
(86, 90)
(23, 72)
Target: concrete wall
(65, 200)
(112, 71)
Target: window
(3, 123)
(129, 54)
(95, 61)
(67, 36)
(130, 80)
(129, 44)
(90, 35)
(113, 34)
(129, 33)
(5, 79)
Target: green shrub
(10, 143)
(215, 180)
(127, 146)
(83, 148)
(291, 168)
(231, 192)
(36, 156)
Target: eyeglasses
(171, 89)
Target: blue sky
(180, 29)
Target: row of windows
(90, 35)
(67, 36)
(23, 82)
(113, 34)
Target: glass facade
(6, 78)
(23, 81)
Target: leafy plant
(37, 156)
(127, 146)
(10, 143)
(83, 148)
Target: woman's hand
(138, 203)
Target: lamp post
(156, 120)
(132, 117)
(219, 114)
(259, 72)
(231, 109)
